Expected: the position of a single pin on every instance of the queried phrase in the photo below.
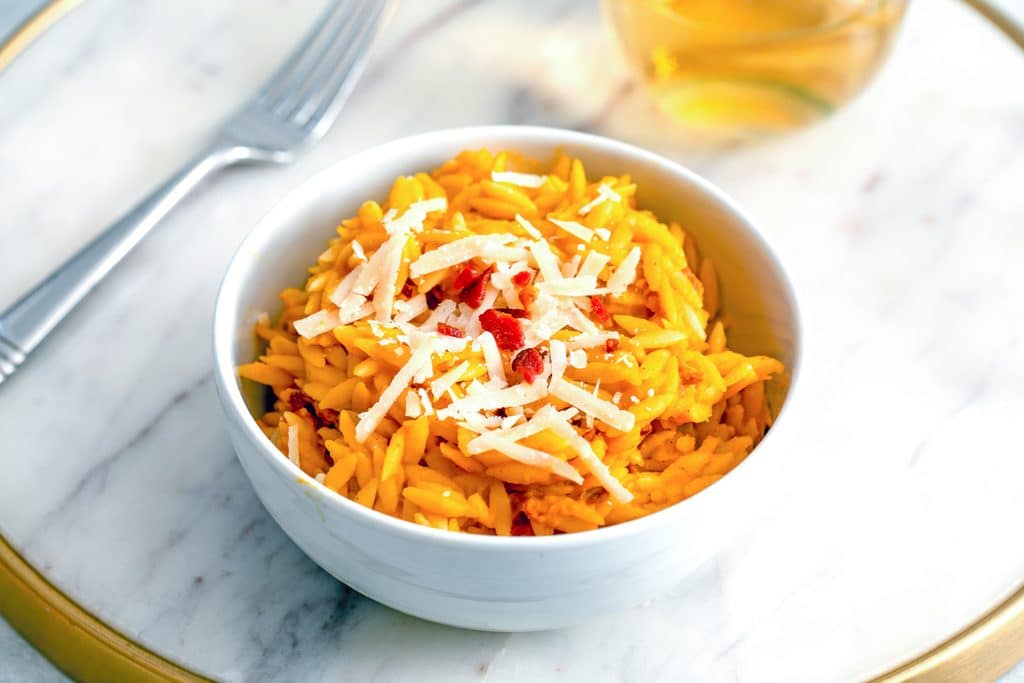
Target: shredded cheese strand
(592, 405)
(520, 179)
(573, 228)
(625, 274)
(369, 420)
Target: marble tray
(900, 220)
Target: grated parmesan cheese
(510, 422)
(356, 309)
(445, 344)
(528, 227)
(578, 358)
(317, 323)
(559, 362)
(488, 247)
(529, 456)
(343, 292)
(570, 267)
(293, 444)
(625, 274)
(387, 276)
(411, 308)
(492, 357)
(575, 318)
(603, 234)
(425, 403)
(412, 404)
(586, 453)
(535, 425)
(593, 264)
(443, 383)
(520, 179)
(572, 286)
(414, 216)
(517, 395)
(480, 424)
(590, 340)
(369, 420)
(546, 261)
(604, 194)
(573, 228)
(357, 249)
(592, 405)
(439, 315)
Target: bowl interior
(755, 293)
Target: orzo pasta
(513, 349)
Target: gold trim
(1001, 19)
(75, 641)
(47, 15)
(88, 649)
(984, 651)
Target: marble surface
(899, 219)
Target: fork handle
(27, 322)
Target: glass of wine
(742, 68)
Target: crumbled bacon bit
(610, 345)
(514, 312)
(434, 296)
(529, 364)
(469, 273)
(597, 307)
(408, 288)
(508, 333)
(450, 331)
(522, 278)
(521, 525)
(295, 399)
(473, 295)
(527, 295)
(328, 416)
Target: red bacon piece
(450, 331)
(522, 278)
(469, 273)
(521, 525)
(473, 295)
(598, 309)
(527, 295)
(434, 296)
(529, 364)
(514, 312)
(507, 331)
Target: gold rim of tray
(84, 647)
(88, 649)
(45, 17)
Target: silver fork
(294, 109)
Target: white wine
(754, 66)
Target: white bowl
(483, 582)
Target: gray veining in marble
(899, 219)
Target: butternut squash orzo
(509, 348)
